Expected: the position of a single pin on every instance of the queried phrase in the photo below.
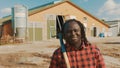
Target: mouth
(74, 38)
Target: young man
(80, 52)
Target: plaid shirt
(88, 56)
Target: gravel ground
(37, 54)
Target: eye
(76, 30)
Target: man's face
(72, 33)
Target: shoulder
(57, 54)
(57, 51)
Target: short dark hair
(83, 34)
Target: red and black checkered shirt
(88, 56)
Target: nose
(73, 33)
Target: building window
(85, 19)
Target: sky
(101, 9)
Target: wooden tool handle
(66, 60)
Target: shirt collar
(71, 47)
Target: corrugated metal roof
(114, 22)
(41, 6)
(6, 18)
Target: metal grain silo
(19, 18)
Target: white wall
(114, 31)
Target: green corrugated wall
(37, 35)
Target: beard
(73, 41)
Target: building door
(59, 23)
(94, 31)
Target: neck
(76, 45)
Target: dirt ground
(37, 54)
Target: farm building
(43, 21)
(114, 29)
